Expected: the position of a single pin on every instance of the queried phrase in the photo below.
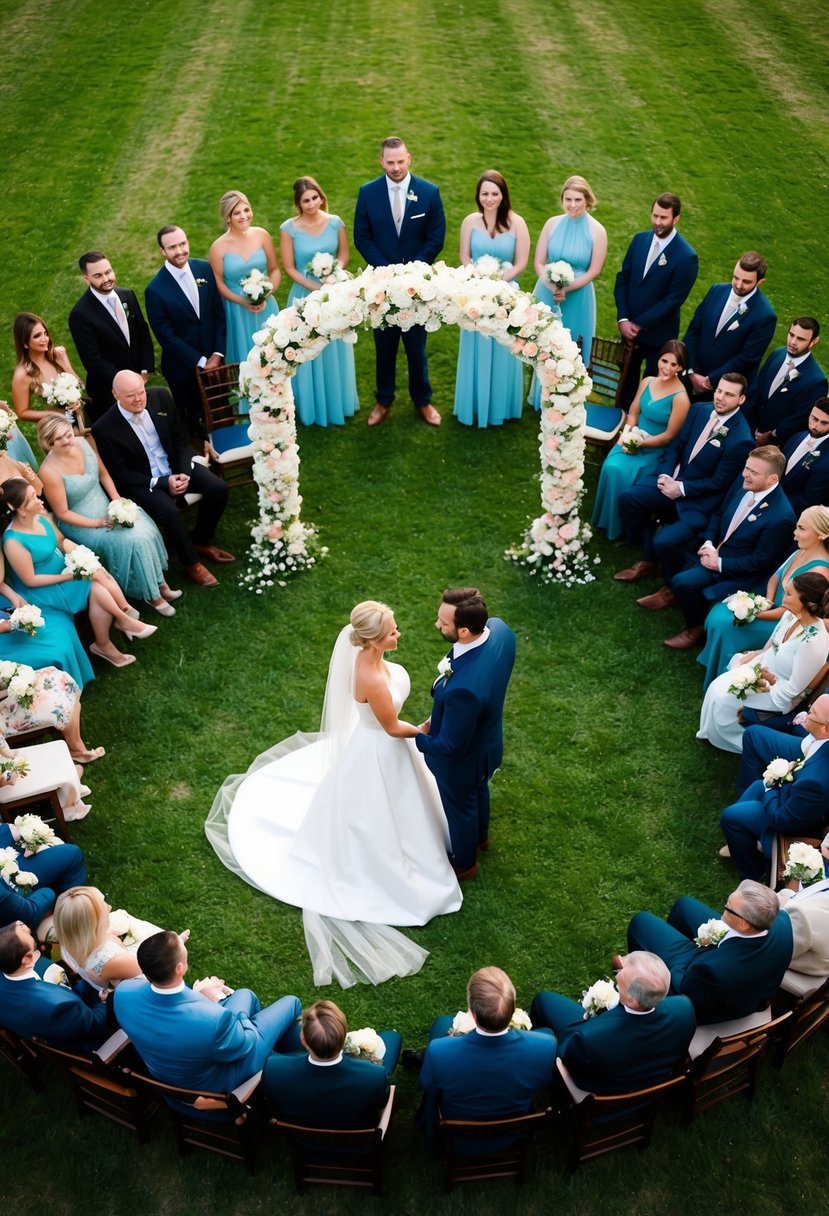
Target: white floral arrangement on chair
(744, 606)
(599, 997)
(256, 286)
(804, 862)
(365, 1044)
(745, 679)
(711, 932)
(82, 562)
(122, 512)
(326, 268)
(34, 834)
(559, 274)
(27, 618)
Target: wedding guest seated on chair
(325, 1087)
(640, 1042)
(808, 909)
(56, 869)
(91, 937)
(733, 979)
(806, 479)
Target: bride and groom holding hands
(372, 823)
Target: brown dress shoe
(686, 639)
(378, 414)
(663, 598)
(635, 572)
(200, 575)
(430, 415)
(463, 875)
(214, 554)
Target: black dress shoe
(411, 1058)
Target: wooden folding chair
(45, 799)
(22, 1057)
(728, 1067)
(605, 1123)
(609, 361)
(228, 443)
(808, 1015)
(465, 1163)
(333, 1157)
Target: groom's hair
(392, 141)
(470, 609)
(490, 997)
(324, 1029)
(157, 956)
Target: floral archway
(417, 294)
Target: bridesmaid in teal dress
(233, 256)
(56, 643)
(325, 390)
(724, 638)
(489, 384)
(659, 408)
(34, 551)
(574, 237)
(80, 489)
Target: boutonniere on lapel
(201, 282)
(720, 433)
(793, 374)
(125, 307)
(810, 458)
(411, 197)
(663, 261)
(445, 668)
(742, 309)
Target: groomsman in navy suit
(492, 1072)
(464, 743)
(806, 480)
(109, 331)
(56, 869)
(744, 544)
(399, 218)
(690, 481)
(186, 314)
(731, 328)
(788, 382)
(657, 274)
(796, 807)
(642, 1041)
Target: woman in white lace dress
(97, 943)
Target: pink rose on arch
(531, 350)
(553, 415)
(518, 346)
(531, 315)
(543, 355)
(473, 313)
(289, 353)
(275, 496)
(569, 531)
(570, 477)
(275, 532)
(295, 547)
(552, 443)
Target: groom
(463, 744)
(399, 218)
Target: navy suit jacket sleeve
(803, 802)
(139, 331)
(364, 228)
(435, 232)
(461, 712)
(71, 1020)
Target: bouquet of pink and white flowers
(326, 268)
(82, 562)
(631, 438)
(20, 680)
(487, 266)
(64, 392)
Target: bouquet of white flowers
(746, 679)
(462, 1023)
(64, 392)
(804, 863)
(487, 266)
(82, 562)
(256, 286)
(34, 833)
(780, 770)
(559, 274)
(7, 426)
(744, 606)
(17, 766)
(20, 682)
(122, 512)
(631, 438)
(8, 864)
(326, 268)
(598, 997)
(24, 882)
(28, 618)
(711, 932)
(55, 974)
(366, 1044)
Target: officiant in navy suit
(464, 743)
(399, 218)
(657, 274)
(185, 311)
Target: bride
(347, 825)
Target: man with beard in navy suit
(789, 381)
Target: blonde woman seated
(97, 943)
(50, 768)
(789, 662)
(35, 552)
(80, 489)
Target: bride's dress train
(348, 826)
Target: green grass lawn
(121, 117)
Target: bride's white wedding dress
(347, 825)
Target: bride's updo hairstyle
(369, 621)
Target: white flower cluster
(404, 296)
(365, 1043)
(488, 266)
(779, 770)
(82, 562)
(8, 422)
(256, 286)
(35, 835)
(462, 1023)
(326, 268)
(803, 862)
(631, 438)
(122, 512)
(744, 606)
(559, 274)
(19, 679)
(64, 392)
(27, 618)
(711, 932)
(12, 875)
(598, 997)
(745, 679)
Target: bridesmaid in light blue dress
(489, 385)
(574, 237)
(659, 408)
(79, 489)
(325, 390)
(233, 256)
(723, 638)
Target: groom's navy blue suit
(465, 743)
(421, 237)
